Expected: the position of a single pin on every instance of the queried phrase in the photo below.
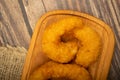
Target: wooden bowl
(35, 57)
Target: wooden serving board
(35, 57)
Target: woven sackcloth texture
(11, 62)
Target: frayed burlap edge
(11, 62)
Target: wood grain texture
(18, 18)
(13, 28)
(34, 9)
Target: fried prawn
(53, 43)
(70, 38)
(57, 71)
(90, 46)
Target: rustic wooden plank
(3, 23)
(115, 68)
(50, 5)
(25, 17)
(34, 9)
(68, 4)
(13, 27)
(0, 41)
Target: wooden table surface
(18, 18)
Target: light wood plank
(50, 5)
(13, 24)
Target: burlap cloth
(11, 62)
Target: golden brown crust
(90, 46)
(67, 38)
(56, 71)
(52, 44)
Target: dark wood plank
(25, 17)
(0, 42)
(34, 9)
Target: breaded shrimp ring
(90, 46)
(53, 43)
(67, 38)
(56, 71)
